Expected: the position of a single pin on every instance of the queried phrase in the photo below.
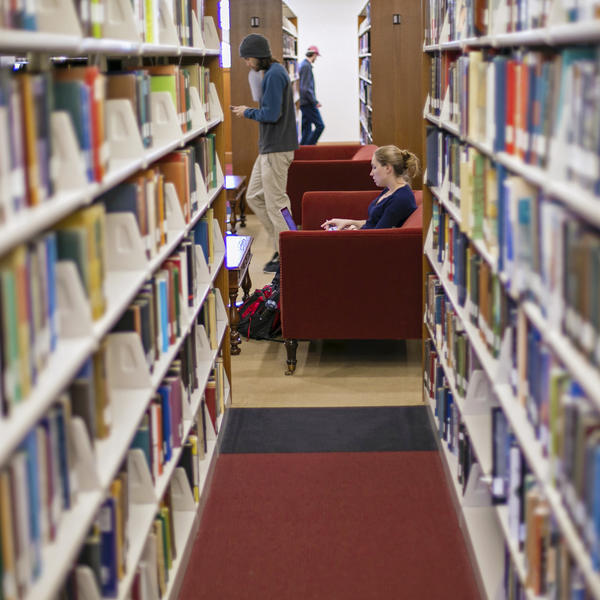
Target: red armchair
(349, 284)
(343, 167)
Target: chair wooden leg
(290, 347)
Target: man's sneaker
(273, 265)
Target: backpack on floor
(260, 317)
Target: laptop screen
(287, 215)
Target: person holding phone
(392, 169)
(277, 140)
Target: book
(108, 547)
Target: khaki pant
(266, 192)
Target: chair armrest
(351, 284)
(311, 175)
(326, 152)
(319, 206)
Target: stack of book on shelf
(512, 260)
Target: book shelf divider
(477, 492)
(125, 249)
(127, 368)
(197, 39)
(215, 111)
(86, 583)
(120, 23)
(175, 219)
(197, 110)
(141, 488)
(204, 350)
(201, 192)
(181, 494)
(218, 247)
(479, 396)
(122, 131)
(211, 36)
(165, 121)
(150, 574)
(139, 523)
(57, 16)
(167, 33)
(211, 435)
(74, 313)
(84, 470)
(220, 175)
(67, 166)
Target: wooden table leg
(232, 216)
(234, 319)
(243, 209)
(246, 285)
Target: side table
(237, 261)
(235, 185)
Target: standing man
(277, 140)
(309, 106)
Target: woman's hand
(340, 224)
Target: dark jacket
(277, 114)
(307, 84)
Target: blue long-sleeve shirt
(276, 113)
(391, 211)
(307, 84)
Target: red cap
(313, 49)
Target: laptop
(287, 215)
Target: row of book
(38, 483)
(450, 428)
(561, 417)
(291, 66)
(478, 285)
(450, 20)
(539, 106)
(28, 287)
(449, 333)
(364, 43)
(104, 551)
(366, 119)
(93, 15)
(290, 45)
(364, 69)
(28, 297)
(364, 92)
(549, 568)
(543, 252)
(160, 311)
(28, 175)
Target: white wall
(332, 25)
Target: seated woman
(391, 169)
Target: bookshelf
(389, 86)
(511, 256)
(114, 358)
(279, 25)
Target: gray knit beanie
(255, 46)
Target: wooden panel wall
(396, 52)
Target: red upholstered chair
(343, 167)
(363, 284)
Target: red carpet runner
(329, 525)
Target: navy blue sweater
(276, 115)
(391, 211)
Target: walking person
(309, 105)
(277, 140)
